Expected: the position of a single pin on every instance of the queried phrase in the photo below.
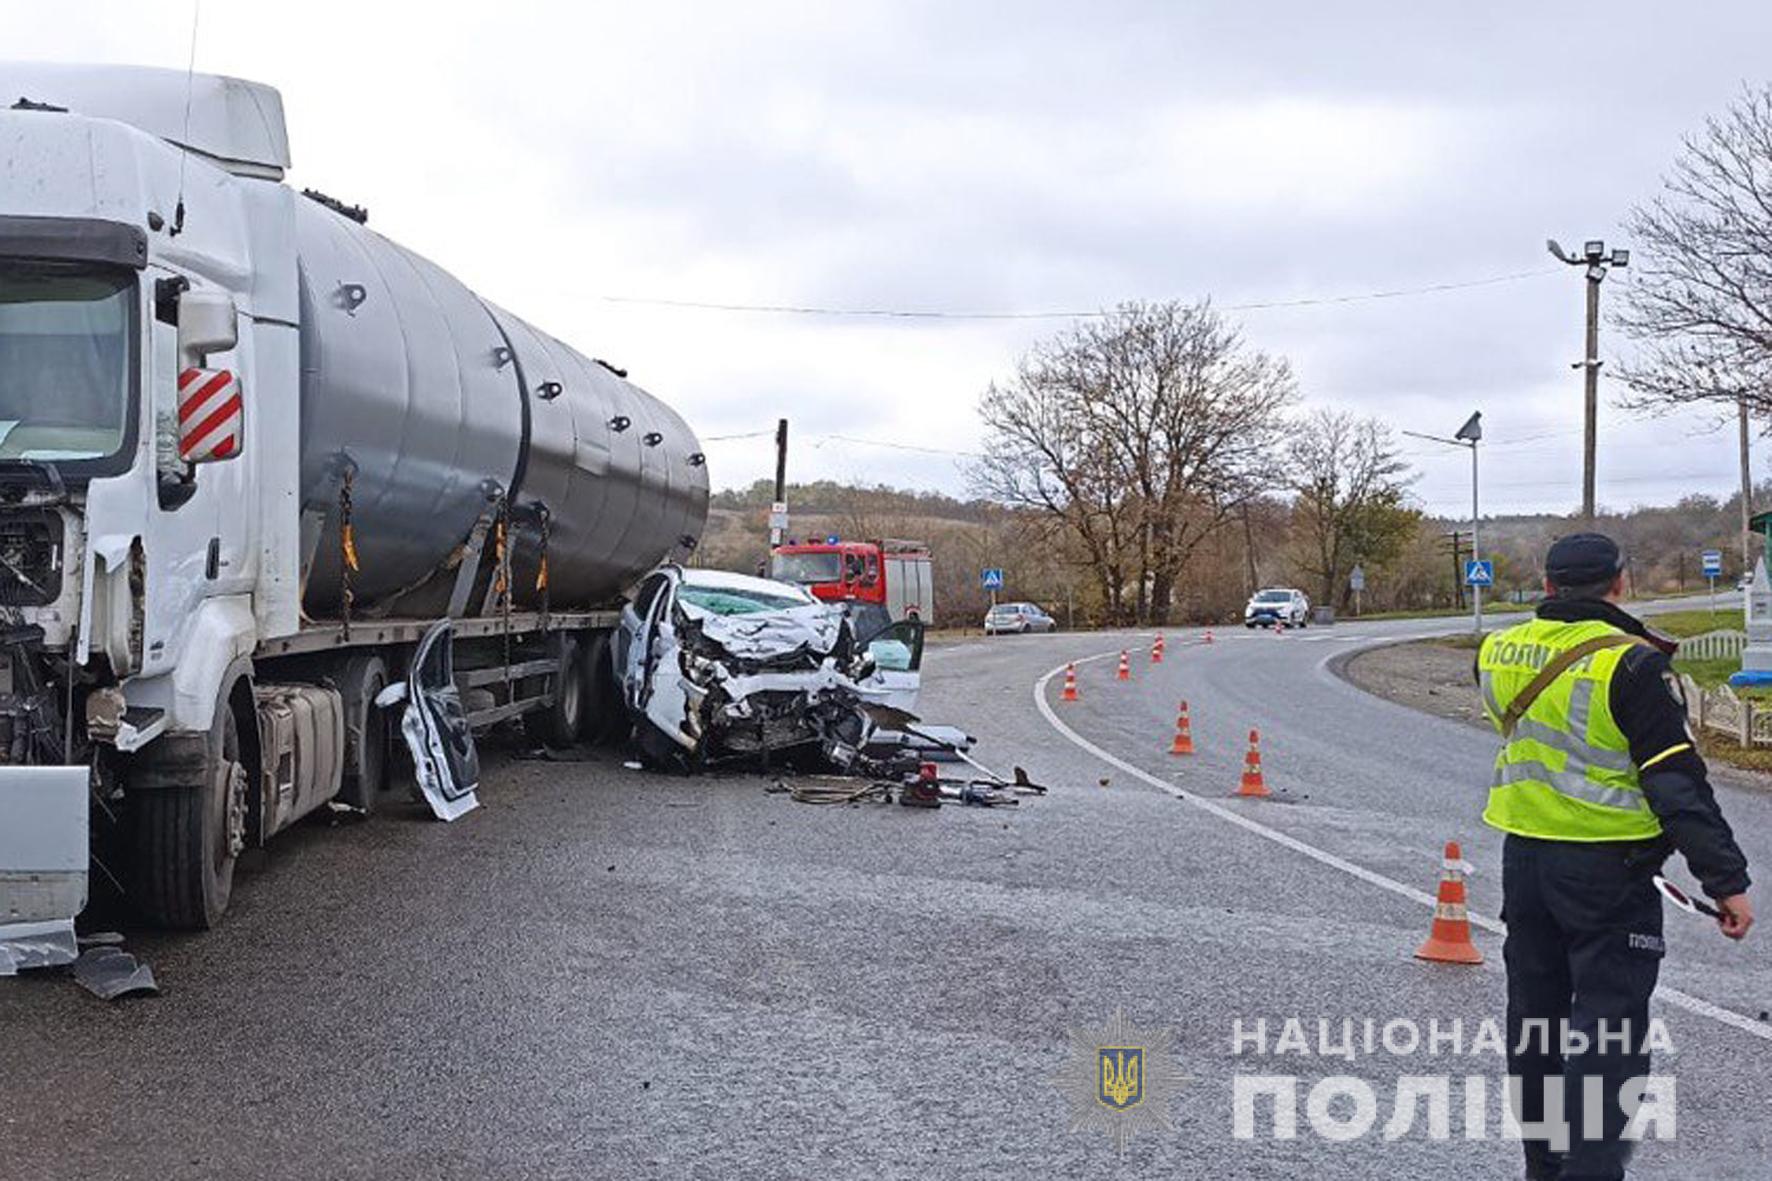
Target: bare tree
(1139, 433)
(1701, 303)
(1344, 471)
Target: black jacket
(1647, 705)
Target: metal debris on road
(47, 944)
(108, 972)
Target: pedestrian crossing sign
(1481, 573)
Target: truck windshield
(65, 361)
(819, 567)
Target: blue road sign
(1713, 563)
(1479, 573)
(992, 578)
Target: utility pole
(1593, 256)
(1455, 546)
(778, 512)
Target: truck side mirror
(206, 324)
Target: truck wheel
(368, 731)
(604, 718)
(188, 836)
(557, 725)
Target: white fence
(1745, 721)
(1717, 645)
(1741, 719)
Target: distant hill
(1662, 546)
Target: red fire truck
(890, 579)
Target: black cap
(1583, 559)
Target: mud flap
(44, 850)
(435, 726)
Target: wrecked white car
(716, 666)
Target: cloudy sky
(993, 157)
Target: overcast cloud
(1006, 157)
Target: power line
(730, 438)
(1095, 313)
(891, 446)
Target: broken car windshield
(721, 600)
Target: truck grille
(30, 558)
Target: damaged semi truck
(260, 467)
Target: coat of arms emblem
(1120, 1079)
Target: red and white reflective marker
(209, 415)
(1684, 900)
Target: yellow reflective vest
(1565, 773)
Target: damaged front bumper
(44, 852)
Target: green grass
(1709, 673)
(1684, 624)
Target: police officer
(1597, 782)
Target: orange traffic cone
(1449, 941)
(1124, 672)
(1157, 650)
(1280, 628)
(1253, 784)
(1070, 683)
(1184, 734)
(1208, 635)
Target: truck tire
(189, 836)
(557, 726)
(605, 719)
(368, 731)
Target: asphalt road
(606, 973)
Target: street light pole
(1594, 257)
(1476, 518)
(1590, 437)
(1469, 435)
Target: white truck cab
(251, 453)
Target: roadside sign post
(1478, 574)
(778, 522)
(991, 578)
(1356, 581)
(1713, 568)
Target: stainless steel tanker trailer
(271, 487)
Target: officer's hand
(1738, 915)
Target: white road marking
(1673, 996)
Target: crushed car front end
(730, 667)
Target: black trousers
(1583, 946)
